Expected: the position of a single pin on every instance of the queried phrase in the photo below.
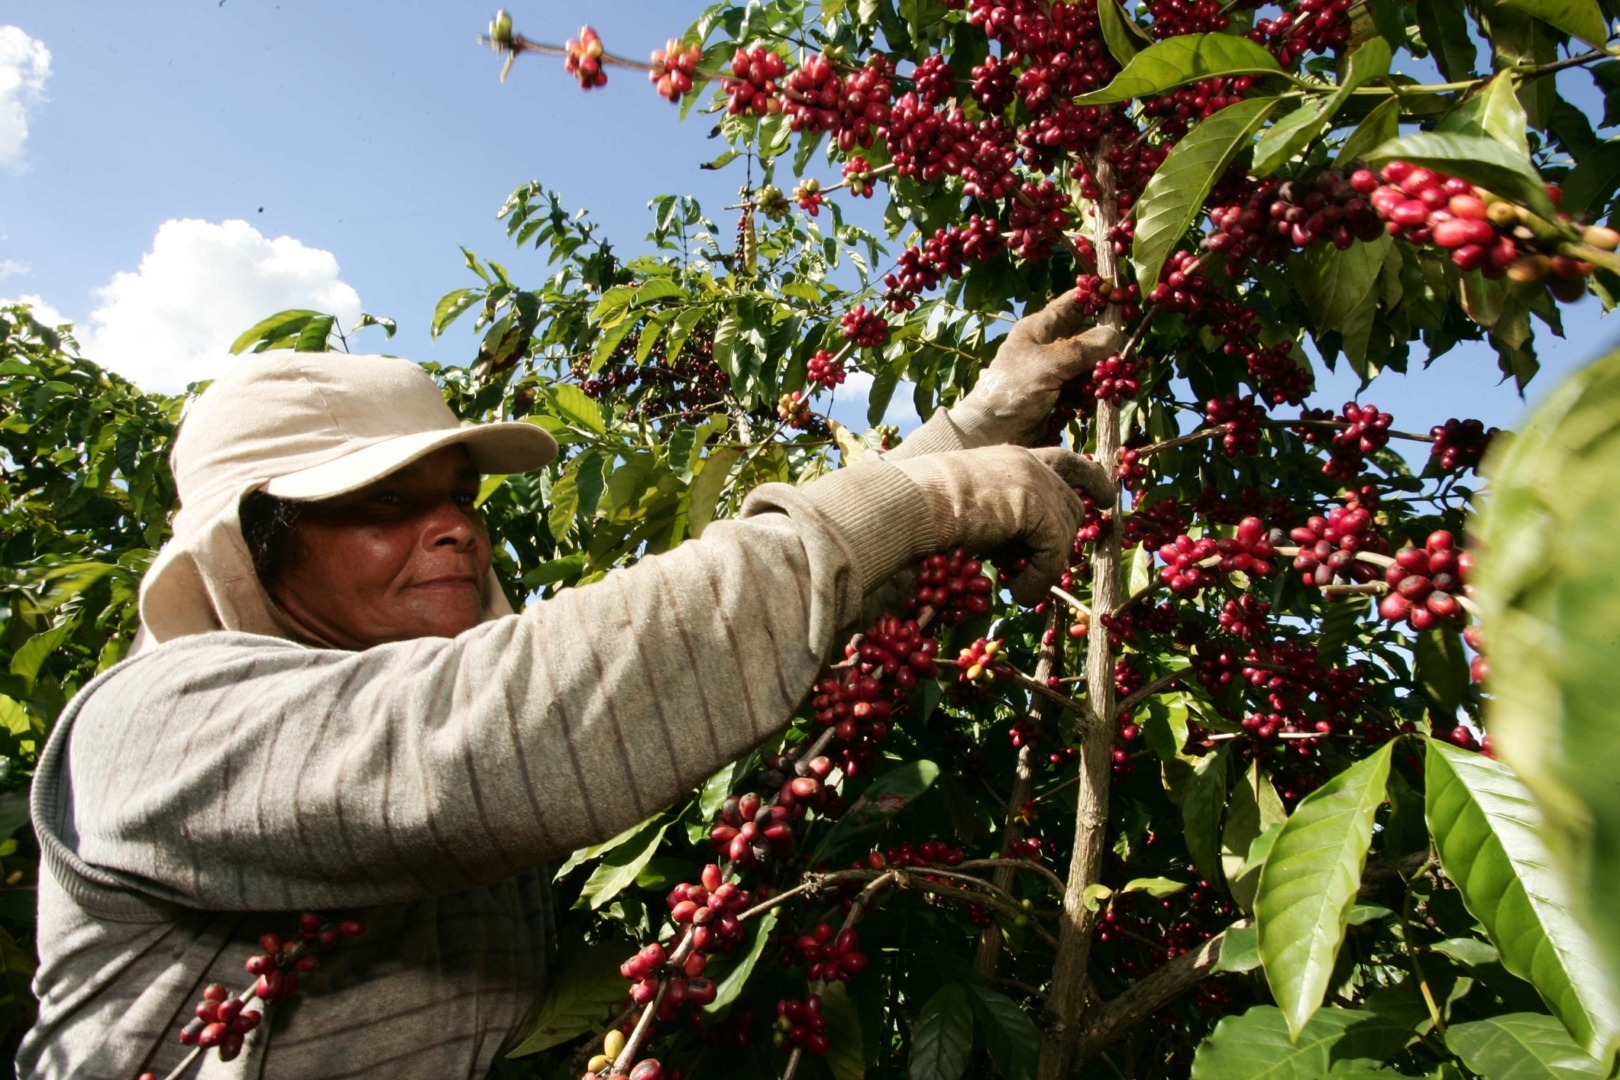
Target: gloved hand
(1019, 389)
(989, 497)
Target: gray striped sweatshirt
(204, 792)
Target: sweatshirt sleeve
(242, 772)
(941, 434)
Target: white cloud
(25, 64)
(172, 321)
(11, 268)
(42, 312)
(850, 402)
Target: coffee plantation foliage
(1222, 806)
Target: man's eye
(388, 498)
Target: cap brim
(494, 448)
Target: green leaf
(1337, 287)
(1166, 727)
(450, 307)
(1120, 33)
(1309, 884)
(1547, 582)
(315, 336)
(846, 1052)
(1441, 668)
(1494, 112)
(1376, 128)
(582, 998)
(1488, 833)
(14, 813)
(564, 501)
(586, 854)
(1153, 886)
(1577, 18)
(26, 661)
(1009, 1035)
(1240, 949)
(1471, 952)
(1288, 136)
(731, 984)
(613, 306)
(706, 489)
(888, 795)
(659, 288)
(1335, 1042)
(619, 868)
(1521, 1046)
(717, 788)
(277, 328)
(367, 319)
(1175, 196)
(1255, 808)
(575, 406)
(1476, 158)
(1201, 807)
(14, 717)
(1444, 27)
(1184, 59)
(942, 1037)
(1292, 134)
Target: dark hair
(267, 526)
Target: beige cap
(298, 426)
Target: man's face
(405, 557)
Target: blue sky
(171, 172)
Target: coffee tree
(1220, 804)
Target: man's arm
(238, 772)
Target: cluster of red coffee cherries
(859, 177)
(830, 958)
(1365, 431)
(850, 109)
(1328, 545)
(1092, 294)
(1460, 444)
(943, 255)
(1038, 220)
(1113, 379)
(685, 387)
(1172, 18)
(1424, 583)
(1478, 230)
(793, 409)
(752, 86)
(799, 1023)
(953, 584)
(1312, 26)
(867, 329)
(584, 60)
(809, 196)
(824, 369)
(859, 699)
(673, 69)
(1263, 221)
(223, 1022)
(1239, 420)
(982, 661)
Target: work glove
(893, 513)
(1017, 392)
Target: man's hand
(1018, 390)
(995, 495)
